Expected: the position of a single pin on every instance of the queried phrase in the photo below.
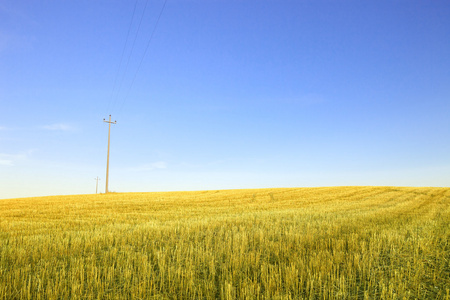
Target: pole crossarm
(104, 120)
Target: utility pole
(107, 160)
(96, 185)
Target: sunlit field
(298, 243)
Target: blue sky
(223, 94)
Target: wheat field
(289, 243)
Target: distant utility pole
(96, 185)
(107, 160)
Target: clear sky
(223, 94)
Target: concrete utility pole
(107, 160)
(96, 185)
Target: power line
(131, 52)
(145, 52)
(121, 57)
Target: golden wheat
(305, 243)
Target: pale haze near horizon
(223, 95)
